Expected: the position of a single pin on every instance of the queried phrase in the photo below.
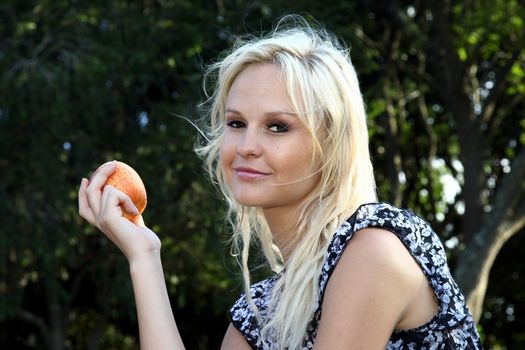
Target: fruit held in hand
(127, 180)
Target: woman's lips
(249, 174)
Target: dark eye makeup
(273, 127)
(236, 124)
(278, 127)
(274, 124)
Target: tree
(484, 95)
(444, 87)
(458, 69)
(82, 83)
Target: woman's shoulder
(370, 230)
(381, 233)
(411, 229)
(417, 235)
(374, 252)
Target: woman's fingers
(103, 206)
(128, 205)
(101, 167)
(96, 184)
(138, 220)
(131, 237)
(99, 204)
(113, 202)
(84, 209)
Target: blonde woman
(288, 147)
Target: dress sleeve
(243, 316)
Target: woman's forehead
(259, 85)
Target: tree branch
(452, 66)
(518, 219)
(473, 53)
(392, 40)
(501, 113)
(511, 191)
(499, 87)
(36, 321)
(432, 149)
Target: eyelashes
(278, 127)
(236, 124)
(275, 127)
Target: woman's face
(266, 151)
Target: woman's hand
(102, 207)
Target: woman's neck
(283, 225)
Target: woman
(288, 147)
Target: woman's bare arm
(102, 207)
(157, 326)
(234, 340)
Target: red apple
(127, 180)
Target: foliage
(84, 82)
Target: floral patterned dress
(451, 328)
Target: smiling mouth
(249, 174)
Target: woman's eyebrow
(230, 110)
(278, 113)
(275, 113)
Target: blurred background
(85, 82)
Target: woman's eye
(235, 124)
(277, 127)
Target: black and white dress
(451, 328)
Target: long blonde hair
(323, 87)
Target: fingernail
(136, 210)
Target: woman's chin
(248, 203)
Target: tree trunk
(57, 327)
(507, 218)
(475, 262)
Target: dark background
(84, 82)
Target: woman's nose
(249, 144)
